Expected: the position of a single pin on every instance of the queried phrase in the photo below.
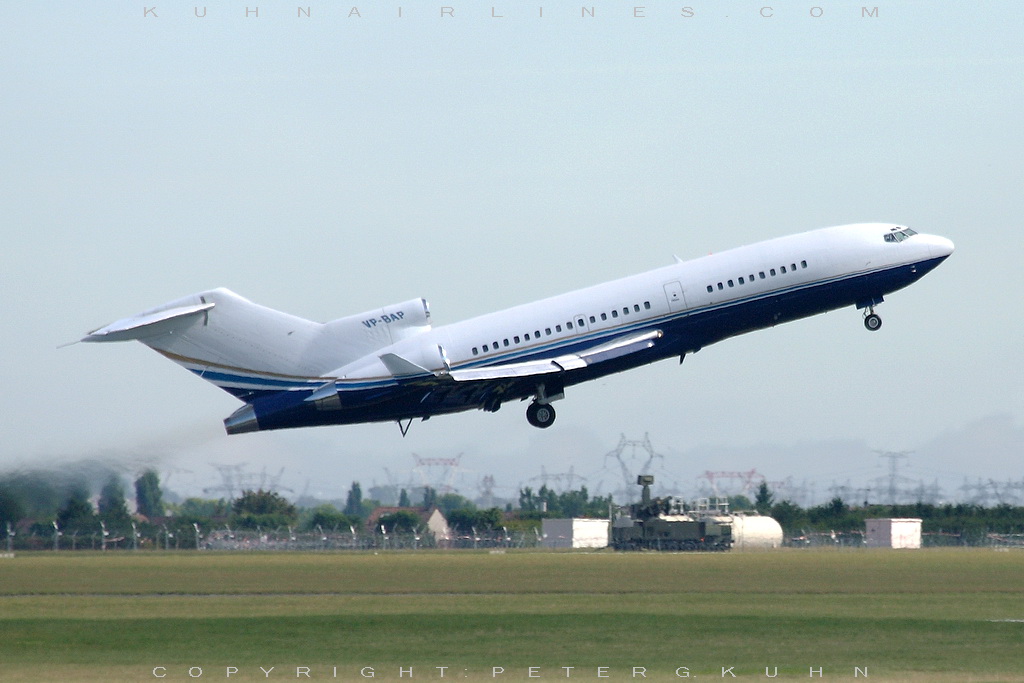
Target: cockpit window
(899, 234)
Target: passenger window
(710, 289)
(761, 274)
(604, 316)
(547, 331)
(526, 337)
(720, 287)
(741, 280)
(751, 278)
(558, 328)
(580, 322)
(615, 314)
(515, 339)
(782, 269)
(505, 342)
(536, 334)
(475, 352)
(803, 264)
(772, 272)
(792, 266)
(593, 319)
(647, 305)
(636, 308)
(568, 325)
(730, 283)
(625, 311)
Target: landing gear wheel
(540, 415)
(872, 321)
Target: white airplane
(390, 364)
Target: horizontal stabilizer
(148, 325)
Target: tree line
(56, 510)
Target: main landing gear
(540, 415)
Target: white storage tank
(755, 531)
(893, 533)
(575, 533)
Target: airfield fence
(936, 539)
(285, 540)
(278, 540)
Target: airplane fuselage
(693, 304)
(391, 365)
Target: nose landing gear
(872, 321)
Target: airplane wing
(616, 348)
(486, 385)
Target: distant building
(575, 533)
(432, 519)
(893, 533)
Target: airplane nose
(940, 247)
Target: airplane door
(674, 294)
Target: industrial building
(574, 533)
(893, 533)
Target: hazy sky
(329, 164)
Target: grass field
(928, 615)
